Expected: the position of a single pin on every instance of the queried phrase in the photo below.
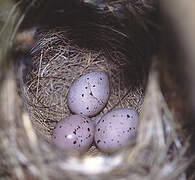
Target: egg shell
(116, 129)
(89, 94)
(74, 133)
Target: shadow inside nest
(88, 27)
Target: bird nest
(33, 99)
(56, 63)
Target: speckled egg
(89, 94)
(116, 129)
(74, 133)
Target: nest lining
(56, 63)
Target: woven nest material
(30, 111)
(56, 63)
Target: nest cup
(74, 43)
(62, 54)
(56, 63)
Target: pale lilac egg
(74, 133)
(116, 129)
(89, 94)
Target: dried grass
(159, 152)
(56, 63)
